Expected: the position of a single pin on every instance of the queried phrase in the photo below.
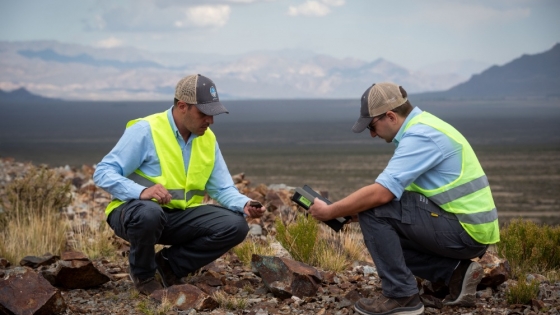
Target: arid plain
(309, 142)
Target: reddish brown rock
(23, 291)
(285, 277)
(496, 269)
(35, 262)
(186, 297)
(76, 271)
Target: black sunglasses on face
(371, 126)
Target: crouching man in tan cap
(158, 174)
(427, 214)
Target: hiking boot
(462, 286)
(146, 286)
(164, 271)
(409, 305)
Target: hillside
(76, 72)
(529, 76)
(22, 95)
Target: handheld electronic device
(255, 204)
(304, 197)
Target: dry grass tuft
(229, 302)
(253, 245)
(32, 223)
(94, 239)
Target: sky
(410, 33)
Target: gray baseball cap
(199, 90)
(376, 100)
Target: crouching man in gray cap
(427, 214)
(158, 174)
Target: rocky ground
(241, 289)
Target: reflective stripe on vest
(469, 196)
(187, 190)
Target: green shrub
(522, 292)
(530, 248)
(299, 238)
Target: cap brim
(212, 109)
(361, 124)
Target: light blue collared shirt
(424, 156)
(136, 150)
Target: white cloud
(206, 15)
(315, 8)
(110, 42)
(309, 8)
(334, 3)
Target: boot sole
(413, 310)
(467, 297)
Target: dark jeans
(415, 237)
(197, 235)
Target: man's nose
(210, 119)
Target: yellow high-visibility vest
(468, 196)
(186, 189)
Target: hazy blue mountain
(78, 72)
(529, 76)
(51, 55)
(21, 95)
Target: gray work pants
(415, 237)
(197, 235)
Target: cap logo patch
(213, 91)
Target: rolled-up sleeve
(414, 155)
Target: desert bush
(299, 237)
(32, 223)
(250, 246)
(152, 307)
(530, 248)
(94, 239)
(311, 242)
(522, 292)
(40, 191)
(330, 256)
(229, 302)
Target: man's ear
(182, 106)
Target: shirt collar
(174, 127)
(415, 111)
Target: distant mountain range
(68, 71)
(529, 76)
(23, 95)
(75, 72)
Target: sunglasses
(371, 126)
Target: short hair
(404, 109)
(175, 101)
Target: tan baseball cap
(376, 100)
(201, 91)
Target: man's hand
(320, 210)
(252, 211)
(157, 192)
